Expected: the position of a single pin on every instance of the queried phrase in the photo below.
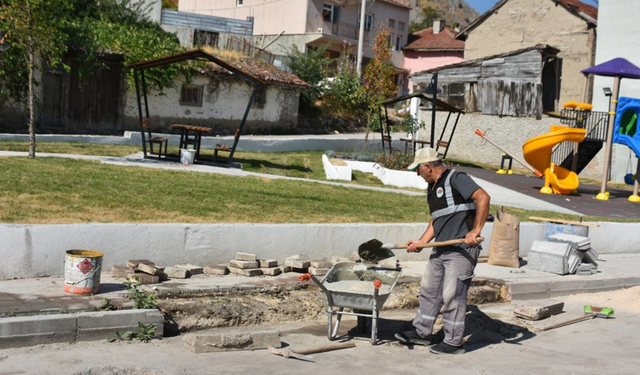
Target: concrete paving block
(133, 264)
(148, 269)
(273, 271)
(192, 269)
(322, 263)
(246, 256)
(537, 310)
(576, 242)
(100, 325)
(590, 256)
(300, 270)
(35, 330)
(268, 263)
(144, 279)
(176, 272)
(215, 269)
(318, 271)
(246, 272)
(244, 264)
(232, 339)
(528, 290)
(297, 263)
(285, 269)
(550, 257)
(121, 271)
(573, 262)
(587, 267)
(336, 260)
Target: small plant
(107, 305)
(397, 161)
(141, 298)
(330, 154)
(146, 333)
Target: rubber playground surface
(585, 202)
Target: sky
(484, 5)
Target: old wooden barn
(522, 83)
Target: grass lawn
(52, 190)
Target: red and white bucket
(82, 271)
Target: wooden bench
(224, 148)
(154, 140)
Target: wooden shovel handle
(560, 221)
(435, 244)
(326, 348)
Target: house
(516, 83)
(568, 25)
(432, 48)
(216, 98)
(310, 23)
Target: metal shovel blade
(374, 251)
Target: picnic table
(191, 135)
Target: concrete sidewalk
(31, 310)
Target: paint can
(187, 156)
(552, 228)
(82, 271)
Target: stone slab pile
(564, 254)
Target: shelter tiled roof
(259, 68)
(587, 9)
(427, 40)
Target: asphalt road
(596, 346)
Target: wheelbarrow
(363, 288)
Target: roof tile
(426, 39)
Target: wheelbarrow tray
(351, 285)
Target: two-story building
(280, 24)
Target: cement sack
(505, 240)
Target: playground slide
(537, 152)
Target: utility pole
(363, 12)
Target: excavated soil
(285, 304)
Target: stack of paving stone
(144, 271)
(245, 264)
(564, 254)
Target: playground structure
(537, 152)
(625, 131)
(507, 154)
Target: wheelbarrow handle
(432, 244)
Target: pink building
(432, 48)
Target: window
(328, 12)
(260, 98)
(191, 95)
(239, 3)
(398, 42)
(368, 21)
(205, 38)
(400, 26)
(392, 24)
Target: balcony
(341, 29)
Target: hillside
(454, 12)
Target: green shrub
(398, 161)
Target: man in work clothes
(458, 209)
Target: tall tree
(378, 79)
(33, 27)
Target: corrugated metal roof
(206, 23)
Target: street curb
(551, 289)
(72, 328)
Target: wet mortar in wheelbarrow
(360, 287)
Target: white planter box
(361, 166)
(399, 178)
(336, 172)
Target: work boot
(412, 337)
(444, 348)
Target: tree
(378, 79)
(344, 94)
(34, 29)
(311, 66)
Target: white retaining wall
(38, 250)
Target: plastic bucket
(82, 271)
(579, 230)
(187, 156)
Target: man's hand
(411, 246)
(470, 238)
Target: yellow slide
(537, 152)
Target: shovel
(374, 250)
(302, 353)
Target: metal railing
(595, 123)
(248, 49)
(346, 30)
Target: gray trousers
(444, 286)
